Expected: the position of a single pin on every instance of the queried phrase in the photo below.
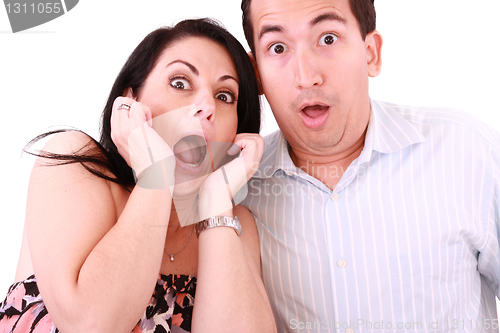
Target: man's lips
(314, 115)
(315, 111)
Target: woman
(97, 245)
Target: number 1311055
(40, 8)
(473, 325)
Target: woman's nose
(205, 106)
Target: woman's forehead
(200, 49)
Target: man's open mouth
(191, 150)
(315, 111)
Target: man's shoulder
(425, 118)
(431, 115)
(273, 145)
(271, 140)
(271, 156)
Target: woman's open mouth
(191, 150)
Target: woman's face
(196, 73)
(192, 93)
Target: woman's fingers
(137, 114)
(137, 142)
(220, 189)
(119, 125)
(233, 150)
(252, 148)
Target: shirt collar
(275, 157)
(388, 131)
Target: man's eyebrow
(191, 67)
(270, 28)
(227, 77)
(329, 17)
(320, 18)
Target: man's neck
(328, 168)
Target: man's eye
(278, 48)
(226, 97)
(180, 83)
(327, 39)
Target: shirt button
(342, 263)
(288, 173)
(335, 197)
(349, 330)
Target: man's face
(314, 68)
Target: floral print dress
(170, 308)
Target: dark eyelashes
(231, 100)
(233, 97)
(179, 77)
(228, 92)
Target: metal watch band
(219, 221)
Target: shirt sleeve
(489, 255)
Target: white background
(436, 53)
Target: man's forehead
(264, 12)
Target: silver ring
(124, 106)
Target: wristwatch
(219, 221)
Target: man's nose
(307, 68)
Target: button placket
(335, 197)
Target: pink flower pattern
(170, 308)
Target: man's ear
(373, 42)
(257, 75)
(128, 93)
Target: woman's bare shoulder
(73, 147)
(69, 209)
(67, 142)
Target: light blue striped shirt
(408, 241)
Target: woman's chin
(185, 199)
(187, 188)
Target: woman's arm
(230, 295)
(96, 268)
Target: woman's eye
(180, 83)
(278, 48)
(328, 39)
(226, 97)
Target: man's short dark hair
(363, 10)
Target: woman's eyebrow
(228, 77)
(191, 67)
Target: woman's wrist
(219, 221)
(214, 201)
(159, 175)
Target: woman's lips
(314, 116)
(191, 150)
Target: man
(372, 216)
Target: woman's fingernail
(235, 149)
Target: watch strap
(219, 221)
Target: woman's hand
(252, 148)
(137, 142)
(220, 187)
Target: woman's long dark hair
(103, 155)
